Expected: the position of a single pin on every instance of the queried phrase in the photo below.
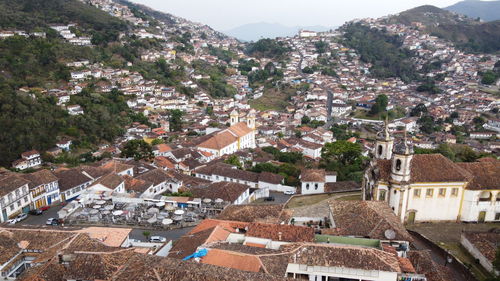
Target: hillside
(467, 34)
(382, 50)
(485, 10)
(429, 16)
(169, 19)
(34, 120)
(29, 15)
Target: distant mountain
(468, 34)
(486, 10)
(256, 31)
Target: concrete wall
(476, 253)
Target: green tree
(380, 105)
(157, 141)
(419, 109)
(343, 152)
(489, 77)
(233, 160)
(175, 120)
(343, 157)
(138, 149)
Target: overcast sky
(227, 14)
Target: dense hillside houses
(154, 148)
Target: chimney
(279, 236)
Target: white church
(240, 135)
(430, 187)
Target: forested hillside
(30, 15)
(382, 50)
(33, 120)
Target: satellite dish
(390, 234)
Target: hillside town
(229, 183)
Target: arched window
(398, 165)
(485, 196)
(307, 186)
(380, 150)
(316, 186)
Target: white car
(289, 192)
(157, 239)
(18, 218)
(50, 221)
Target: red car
(45, 208)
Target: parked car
(36, 212)
(289, 192)
(270, 198)
(157, 239)
(18, 218)
(44, 208)
(52, 221)
(21, 217)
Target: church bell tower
(384, 144)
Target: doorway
(411, 217)
(482, 217)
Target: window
(316, 186)
(442, 192)
(429, 192)
(380, 150)
(416, 193)
(497, 216)
(398, 165)
(454, 192)
(307, 186)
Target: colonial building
(430, 187)
(239, 135)
(29, 159)
(316, 181)
(14, 195)
(44, 188)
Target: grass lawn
(300, 201)
(273, 99)
(306, 200)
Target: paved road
(40, 220)
(279, 198)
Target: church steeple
(251, 119)
(401, 162)
(234, 117)
(384, 143)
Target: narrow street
(439, 258)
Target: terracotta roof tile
(281, 232)
(232, 260)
